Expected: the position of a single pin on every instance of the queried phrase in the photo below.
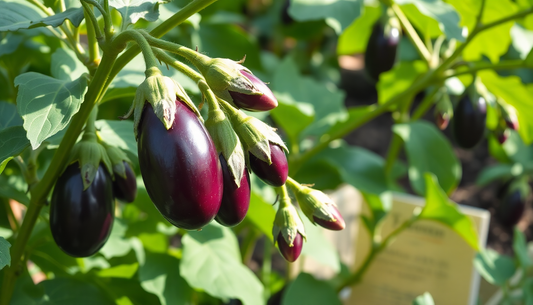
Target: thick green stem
(93, 36)
(185, 52)
(149, 57)
(108, 23)
(209, 95)
(411, 33)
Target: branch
(411, 33)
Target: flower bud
(290, 253)
(253, 102)
(502, 135)
(125, 182)
(161, 92)
(510, 117)
(443, 110)
(89, 155)
(288, 230)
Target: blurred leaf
(160, 275)
(117, 245)
(10, 43)
(122, 271)
(66, 66)
(520, 249)
(211, 261)
(12, 142)
(527, 288)
(515, 93)
(494, 268)
(305, 289)
(118, 134)
(133, 10)
(379, 205)
(429, 151)
(495, 172)
(399, 79)
(522, 40)
(9, 116)
(354, 38)
(154, 242)
(339, 14)
(127, 291)
(496, 150)
(5, 256)
(439, 208)
(321, 173)
(427, 26)
(424, 299)
(291, 116)
(47, 104)
(15, 16)
(442, 12)
(318, 246)
(516, 150)
(261, 214)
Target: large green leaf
(522, 40)
(429, 151)
(12, 142)
(514, 92)
(305, 289)
(47, 104)
(494, 268)
(520, 249)
(160, 275)
(399, 79)
(495, 172)
(133, 10)
(66, 66)
(339, 14)
(117, 133)
(117, 244)
(292, 116)
(9, 115)
(318, 246)
(354, 39)
(439, 208)
(211, 261)
(261, 214)
(5, 256)
(15, 16)
(442, 12)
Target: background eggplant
(180, 168)
(274, 174)
(235, 200)
(81, 221)
(511, 209)
(469, 121)
(380, 54)
(125, 189)
(290, 253)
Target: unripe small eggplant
(180, 168)
(469, 121)
(336, 225)
(274, 174)
(511, 209)
(380, 54)
(81, 221)
(290, 254)
(125, 189)
(235, 200)
(250, 102)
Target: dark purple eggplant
(469, 122)
(250, 102)
(290, 254)
(274, 174)
(180, 168)
(380, 54)
(125, 189)
(511, 209)
(235, 200)
(81, 221)
(336, 225)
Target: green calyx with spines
(313, 203)
(287, 222)
(117, 158)
(89, 154)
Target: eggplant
(290, 254)
(380, 54)
(235, 200)
(266, 101)
(274, 174)
(469, 121)
(125, 189)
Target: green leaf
(133, 10)
(9, 115)
(339, 14)
(354, 39)
(514, 92)
(293, 117)
(439, 208)
(520, 249)
(47, 104)
(494, 268)
(399, 79)
(5, 256)
(15, 16)
(379, 205)
(10, 43)
(122, 271)
(305, 289)
(118, 134)
(211, 261)
(522, 40)
(318, 247)
(66, 66)
(429, 151)
(424, 299)
(117, 245)
(261, 214)
(427, 26)
(160, 275)
(12, 142)
(494, 172)
(516, 150)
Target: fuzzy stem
(108, 23)
(209, 96)
(93, 34)
(178, 65)
(149, 57)
(293, 184)
(185, 52)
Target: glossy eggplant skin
(274, 174)
(125, 189)
(511, 209)
(380, 54)
(235, 200)
(264, 102)
(180, 168)
(469, 122)
(337, 225)
(290, 254)
(81, 221)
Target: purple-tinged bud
(503, 136)
(337, 225)
(125, 188)
(288, 230)
(254, 102)
(442, 120)
(275, 173)
(235, 199)
(290, 253)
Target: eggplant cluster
(81, 220)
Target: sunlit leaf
(399, 79)
(261, 214)
(12, 142)
(354, 38)
(318, 247)
(494, 268)
(15, 16)
(133, 10)
(339, 14)
(305, 289)
(118, 134)
(9, 115)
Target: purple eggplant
(290, 254)
(511, 209)
(274, 174)
(81, 221)
(180, 168)
(249, 102)
(380, 54)
(125, 189)
(469, 121)
(235, 200)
